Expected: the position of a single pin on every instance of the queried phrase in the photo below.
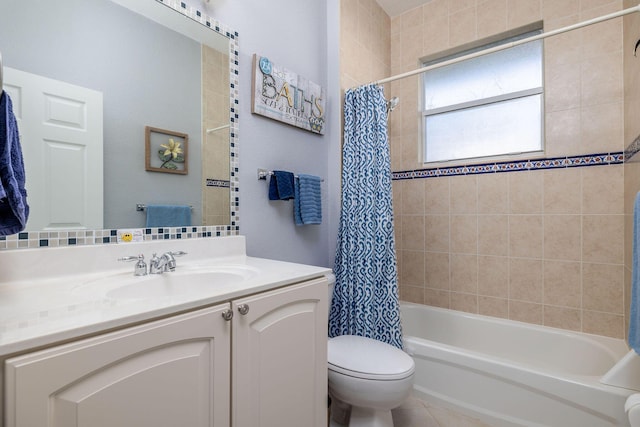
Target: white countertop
(47, 296)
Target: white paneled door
(61, 133)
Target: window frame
(500, 39)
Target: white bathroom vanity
(82, 346)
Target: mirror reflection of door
(61, 136)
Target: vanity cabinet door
(171, 372)
(279, 347)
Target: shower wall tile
(437, 298)
(493, 276)
(563, 283)
(602, 287)
(412, 271)
(493, 235)
(560, 9)
(562, 191)
(599, 323)
(462, 26)
(522, 12)
(525, 236)
(413, 232)
(413, 202)
(563, 130)
(464, 194)
(437, 196)
(458, 5)
(492, 18)
(540, 246)
(437, 235)
(601, 78)
(492, 194)
(437, 270)
(562, 237)
(525, 312)
(525, 280)
(464, 273)
(464, 234)
(496, 307)
(525, 192)
(602, 127)
(413, 294)
(602, 237)
(464, 302)
(602, 190)
(562, 317)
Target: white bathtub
(509, 373)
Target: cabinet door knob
(243, 309)
(227, 315)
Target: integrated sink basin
(183, 281)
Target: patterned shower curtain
(365, 300)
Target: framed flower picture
(166, 151)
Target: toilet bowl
(371, 376)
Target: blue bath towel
(168, 215)
(307, 207)
(281, 186)
(14, 210)
(634, 315)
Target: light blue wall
(301, 36)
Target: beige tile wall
(543, 247)
(631, 132)
(365, 43)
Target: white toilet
(632, 408)
(371, 376)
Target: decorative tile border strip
(52, 239)
(217, 183)
(515, 166)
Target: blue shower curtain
(365, 299)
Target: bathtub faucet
(166, 262)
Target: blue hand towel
(307, 208)
(14, 210)
(168, 215)
(634, 315)
(281, 186)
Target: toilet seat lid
(367, 358)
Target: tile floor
(416, 413)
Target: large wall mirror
(87, 78)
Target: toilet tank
(332, 283)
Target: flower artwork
(171, 154)
(166, 151)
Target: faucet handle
(140, 267)
(178, 253)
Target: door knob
(243, 309)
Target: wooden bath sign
(283, 95)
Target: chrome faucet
(166, 262)
(141, 266)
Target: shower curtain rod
(507, 45)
